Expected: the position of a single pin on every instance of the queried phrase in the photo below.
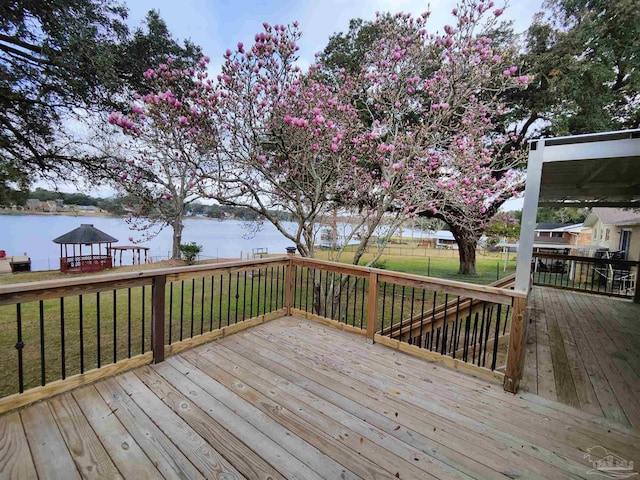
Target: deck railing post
(157, 317)
(517, 338)
(288, 282)
(372, 306)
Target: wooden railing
(86, 263)
(604, 276)
(467, 327)
(61, 334)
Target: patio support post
(157, 317)
(529, 212)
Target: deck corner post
(372, 307)
(516, 349)
(157, 317)
(288, 281)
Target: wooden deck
(584, 351)
(295, 399)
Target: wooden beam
(157, 317)
(453, 363)
(289, 284)
(328, 322)
(60, 386)
(516, 351)
(372, 306)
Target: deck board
(594, 361)
(295, 399)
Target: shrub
(190, 251)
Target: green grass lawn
(438, 263)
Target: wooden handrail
(481, 292)
(25, 292)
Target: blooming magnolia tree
(167, 136)
(432, 148)
(284, 137)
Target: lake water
(33, 234)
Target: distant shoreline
(66, 214)
(17, 213)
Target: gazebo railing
(86, 263)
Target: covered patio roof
(595, 170)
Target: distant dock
(15, 263)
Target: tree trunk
(467, 244)
(177, 227)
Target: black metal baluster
(453, 342)
(193, 302)
(251, 300)
(421, 340)
(181, 308)
(326, 291)
(43, 377)
(264, 304)
(98, 327)
(278, 287)
(495, 339)
(237, 294)
(271, 305)
(337, 295)
(481, 330)
(393, 307)
(202, 307)
(486, 336)
(402, 314)
(115, 322)
(144, 317)
(258, 296)
(413, 299)
(282, 291)
(355, 299)
(467, 326)
(444, 325)
(211, 305)
(220, 302)
(19, 346)
(506, 319)
(63, 356)
(229, 297)
(170, 314)
(384, 303)
(306, 296)
(364, 287)
(437, 338)
(475, 337)
(244, 295)
(433, 319)
(129, 322)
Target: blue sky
(216, 25)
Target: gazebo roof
(85, 234)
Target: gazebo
(72, 257)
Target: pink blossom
(334, 147)
(168, 196)
(131, 239)
(315, 147)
